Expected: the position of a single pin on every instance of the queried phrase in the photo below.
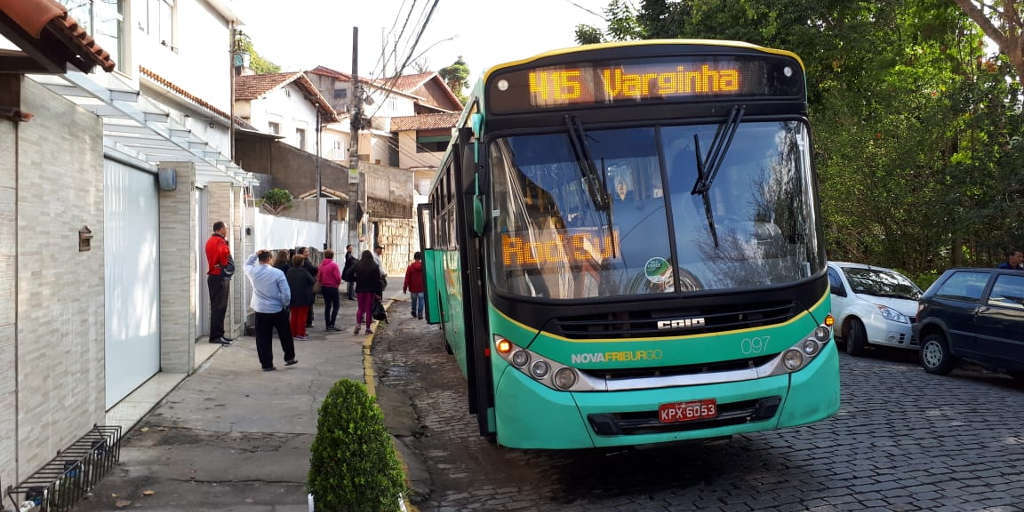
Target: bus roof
(623, 44)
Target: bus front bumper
(534, 416)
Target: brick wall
(178, 278)
(8, 228)
(60, 325)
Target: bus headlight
(547, 372)
(822, 333)
(793, 359)
(565, 378)
(810, 347)
(520, 358)
(540, 369)
(802, 352)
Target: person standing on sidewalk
(378, 256)
(330, 279)
(368, 278)
(218, 278)
(300, 281)
(282, 261)
(270, 298)
(311, 268)
(350, 262)
(415, 285)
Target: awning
(141, 129)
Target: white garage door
(131, 252)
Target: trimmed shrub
(277, 199)
(353, 465)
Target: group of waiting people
(284, 291)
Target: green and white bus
(623, 246)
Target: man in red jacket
(218, 255)
(415, 285)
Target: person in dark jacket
(1014, 260)
(312, 269)
(350, 262)
(367, 277)
(415, 285)
(282, 261)
(301, 283)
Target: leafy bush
(277, 199)
(353, 465)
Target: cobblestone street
(903, 440)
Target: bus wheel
(856, 338)
(935, 356)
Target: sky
(302, 34)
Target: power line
(383, 61)
(412, 50)
(578, 6)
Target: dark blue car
(976, 315)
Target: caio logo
(682, 323)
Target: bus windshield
(755, 226)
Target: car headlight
(893, 315)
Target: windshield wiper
(708, 166)
(595, 185)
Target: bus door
(478, 368)
(431, 259)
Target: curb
(369, 378)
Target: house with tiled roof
(284, 104)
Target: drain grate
(66, 479)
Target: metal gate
(131, 255)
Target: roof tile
(425, 122)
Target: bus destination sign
(641, 81)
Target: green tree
(258, 64)
(456, 76)
(917, 143)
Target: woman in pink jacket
(330, 279)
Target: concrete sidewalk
(232, 437)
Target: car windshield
(755, 225)
(881, 283)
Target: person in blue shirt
(1014, 260)
(270, 299)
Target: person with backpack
(415, 285)
(367, 277)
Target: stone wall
(60, 291)
(398, 236)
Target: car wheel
(856, 338)
(935, 356)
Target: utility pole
(354, 181)
(319, 183)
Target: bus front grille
(648, 323)
(646, 422)
(669, 371)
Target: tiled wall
(8, 228)
(60, 298)
(177, 272)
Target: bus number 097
(755, 345)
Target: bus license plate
(687, 411)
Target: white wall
(291, 110)
(198, 61)
(272, 232)
(394, 106)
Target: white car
(872, 305)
